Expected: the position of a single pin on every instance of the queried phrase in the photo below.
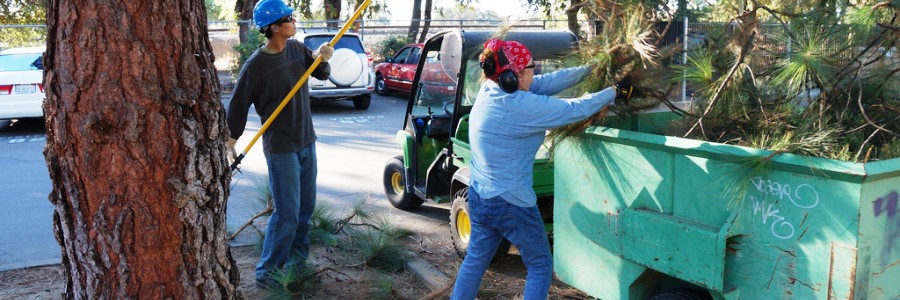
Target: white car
(21, 83)
(352, 77)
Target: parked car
(351, 70)
(397, 73)
(21, 83)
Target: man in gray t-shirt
(289, 143)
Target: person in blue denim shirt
(507, 125)
(289, 143)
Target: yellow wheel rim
(397, 182)
(463, 226)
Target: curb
(433, 278)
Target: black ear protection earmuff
(507, 80)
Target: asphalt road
(352, 149)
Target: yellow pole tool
(297, 86)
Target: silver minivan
(352, 77)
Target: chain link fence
(224, 35)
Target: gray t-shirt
(264, 80)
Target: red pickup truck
(397, 73)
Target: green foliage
(389, 46)
(214, 10)
(821, 81)
(22, 12)
(22, 37)
(254, 40)
(323, 226)
(392, 231)
(379, 285)
(379, 250)
(295, 281)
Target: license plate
(25, 89)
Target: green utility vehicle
(436, 154)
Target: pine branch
(267, 211)
(744, 49)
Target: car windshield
(21, 62)
(347, 41)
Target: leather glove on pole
(325, 51)
(624, 89)
(229, 149)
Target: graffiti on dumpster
(802, 196)
(887, 206)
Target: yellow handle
(302, 80)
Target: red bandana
(517, 54)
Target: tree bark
(244, 11)
(333, 13)
(135, 151)
(572, 16)
(414, 23)
(427, 21)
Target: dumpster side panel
(792, 230)
(594, 183)
(878, 266)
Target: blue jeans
(492, 220)
(292, 180)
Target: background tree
(414, 21)
(428, 6)
(332, 12)
(135, 151)
(244, 11)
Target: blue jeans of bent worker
(292, 180)
(492, 220)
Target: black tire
(395, 185)
(460, 226)
(683, 294)
(362, 102)
(380, 87)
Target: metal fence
(223, 35)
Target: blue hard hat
(267, 12)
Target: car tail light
(369, 56)
(41, 86)
(6, 89)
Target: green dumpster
(637, 214)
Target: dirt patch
(504, 280)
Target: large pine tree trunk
(135, 150)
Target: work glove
(624, 89)
(325, 51)
(229, 149)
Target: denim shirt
(506, 130)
